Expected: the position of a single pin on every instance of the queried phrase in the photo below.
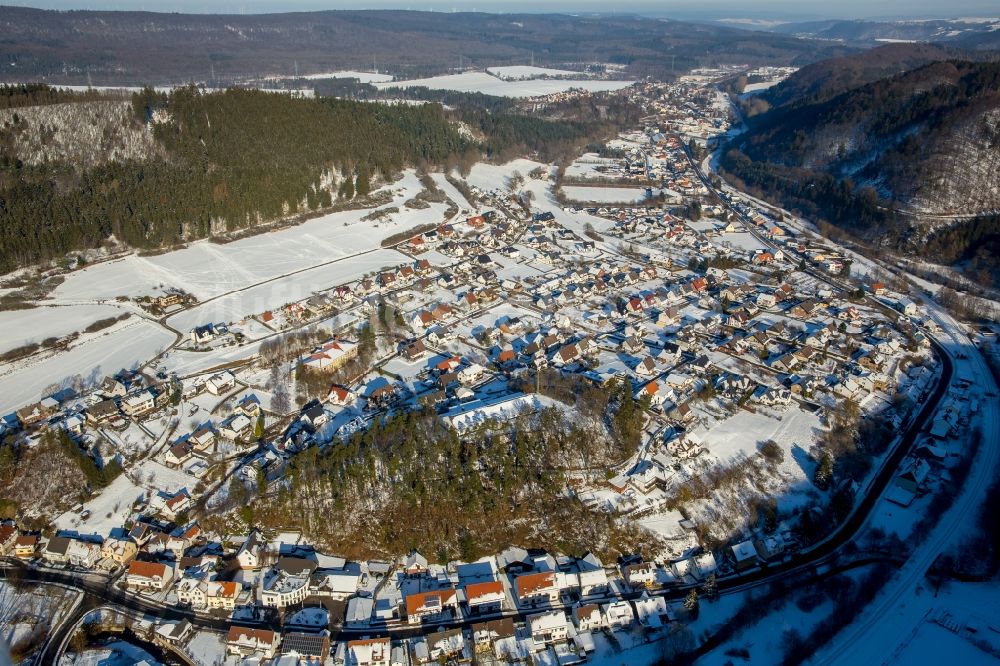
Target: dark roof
(306, 645)
(296, 565)
(57, 544)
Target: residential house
(148, 575)
(56, 550)
(652, 611)
(247, 642)
(642, 574)
(330, 355)
(587, 617)
(119, 551)
(25, 546)
(139, 404)
(548, 628)
(305, 648)
(221, 383)
(248, 557)
(8, 537)
(83, 554)
(368, 652)
(430, 606)
(535, 589)
(485, 598)
(617, 614)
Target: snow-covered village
(611, 409)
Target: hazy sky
(789, 9)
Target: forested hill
(138, 48)
(818, 82)
(926, 142)
(161, 170)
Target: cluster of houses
(113, 403)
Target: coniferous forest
(232, 160)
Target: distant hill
(927, 139)
(894, 159)
(820, 81)
(968, 33)
(145, 47)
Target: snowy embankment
(476, 413)
(21, 327)
(125, 345)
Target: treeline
(817, 195)
(97, 477)
(240, 158)
(235, 159)
(509, 135)
(17, 95)
(975, 241)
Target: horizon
(734, 13)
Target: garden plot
(134, 441)
(741, 433)
(586, 194)
(20, 327)
(511, 269)
(490, 85)
(577, 222)
(207, 647)
(742, 241)
(490, 319)
(125, 345)
(108, 511)
(408, 371)
(155, 476)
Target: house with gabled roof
(431, 606)
(250, 642)
(537, 589)
(484, 598)
(148, 575)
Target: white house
(548, 628)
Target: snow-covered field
(495, 176)
(125, 345)
(522, 72)
(207, 269)
(586, 166)
(115, 500)
(118, 653)
(363, 77)
(490, 85)
(604, 194)
(236, 306)
(19, 327)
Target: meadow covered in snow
(482, 82)
(92, 357)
